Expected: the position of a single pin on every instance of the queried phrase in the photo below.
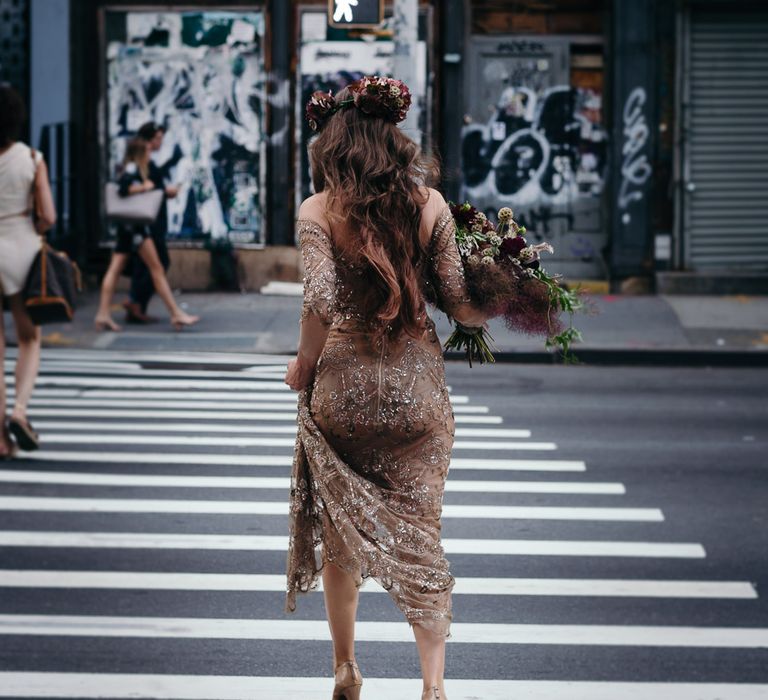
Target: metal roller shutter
(726, 213)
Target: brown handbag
(51, 285)
(50, 289)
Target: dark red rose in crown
(512, 246)
(382, 97)
(320, 106)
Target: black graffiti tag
(635, 168)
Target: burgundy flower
(464, 214)
(512, 246)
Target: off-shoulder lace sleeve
(319, 270)
(447, 271)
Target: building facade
(628, 133)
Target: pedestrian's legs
(103, 318)
(142, 286)
(28, 338)
(5, 446)
(148, 254)
(432, 655)
(341, 596)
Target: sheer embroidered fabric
(375, 432)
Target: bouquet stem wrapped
(505, 280)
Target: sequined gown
(375, 431)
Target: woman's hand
(148, 185)
(300, 373)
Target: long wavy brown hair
(137, 151)
(373, 176)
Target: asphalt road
(618, 550)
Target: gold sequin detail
(375, 432)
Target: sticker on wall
(201, 76)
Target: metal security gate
(725, 140)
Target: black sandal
(26, 437)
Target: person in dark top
(137, 238)
(142, 287)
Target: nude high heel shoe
(432, 693)
(348, 681)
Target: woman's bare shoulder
(313, 209)
(434, 204)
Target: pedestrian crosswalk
(145, 545)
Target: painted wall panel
(201, 75)
(535, 142)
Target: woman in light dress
(375, 426)
(137, 238)
(21, 171)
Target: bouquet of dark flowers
(505, 280)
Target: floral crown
(373, 95)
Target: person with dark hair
(142, 287)
(375, 424)
(26, 212)
(136, 239)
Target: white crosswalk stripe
(76, 534)
(265, 482)
(464, 586)
(234, 460)
(196, 687)
(368, 631)
(501, 547)
(197, 426)
(168, 414)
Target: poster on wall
(536, 143)
(331, 65)
(201, 76)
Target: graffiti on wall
(332, 65)
(635, 168)
(200, 75)
(542, 153)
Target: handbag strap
(33, 191)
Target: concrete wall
(190, 268)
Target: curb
(631, 357)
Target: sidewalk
(730, 330)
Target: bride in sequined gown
(375, 423)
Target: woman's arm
(319, 295)
(447, 270)
(139, 187)
(312, 336)
(45, 210)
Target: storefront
(628, 134)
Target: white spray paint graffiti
(635, 168)
(201, 75)
(542, 153)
